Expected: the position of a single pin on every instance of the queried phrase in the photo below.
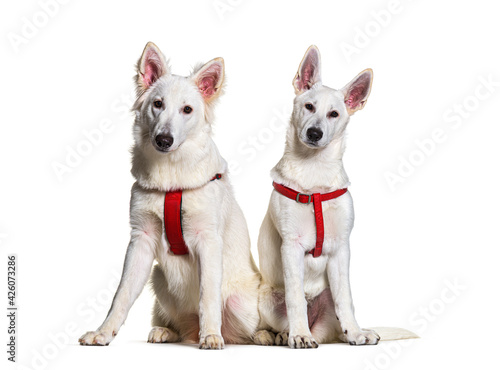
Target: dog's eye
(188, 109)
(309, 106)
(334, 114)
(158, 103)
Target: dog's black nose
(314, 134)
(164, 142)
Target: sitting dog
(183, 215)
(303, 243)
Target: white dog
(306, 298)
(209, 291)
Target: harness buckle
(307, 195)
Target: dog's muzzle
(163, 142)
(314, 135)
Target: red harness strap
(173, 220)
(316, 199)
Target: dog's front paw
(264, 338)
(361, 337)
(212, 341)
(301, 341)
(96, 338)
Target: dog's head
(170, 108)
(320, 113)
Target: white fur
(288, 231)
(212, 291)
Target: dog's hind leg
(273, 324)
(264, 338)
(322, 318)
(161, 333)
(282, 338)
(240, 317)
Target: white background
(436, 228)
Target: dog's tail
(394, 333)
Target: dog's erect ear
(150, 67)
(357, 91)
(309, 72)
(210, 78)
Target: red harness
(316, 198)
(173, 220)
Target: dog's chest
(332, 223)
(299, 222)
(198, 213)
